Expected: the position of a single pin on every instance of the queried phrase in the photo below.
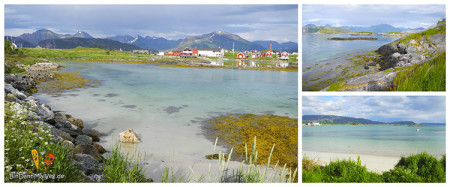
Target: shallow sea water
(164, 105)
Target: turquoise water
(324, 61)
(164, 105)
(381, 140)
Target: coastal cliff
(409, 51)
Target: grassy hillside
(426, 77)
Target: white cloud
(379, 108)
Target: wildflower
(22, 157)
(14, 139)
(27, 160)
(19, 165)
(6, 140)
(45, 143)
(20, 149)
(7, 149)
(41, 138)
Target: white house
(313, 124)
(161, 53)
(211, 52)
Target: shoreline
(373, 163)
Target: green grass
(426, 77)
(414, 168)
(21, 135)
(123, 168)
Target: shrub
(423, 165)
(348, 171)
(401, 175)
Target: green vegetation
(426, 77)
(337, 86)
(394, 33)
(415, 168)
(21, 136)
(120, 168)
(429, 32)
(238, 130)
(65, 81)
(357, 124)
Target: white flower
(45, 143)
(7, 149)
(22, 157)
(27, 160)
(41, 138)
(19, 165)
(13, 128)
(6, 140)
(20, 149)
(14, 139)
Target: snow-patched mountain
(45, 34)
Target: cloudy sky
(379, 108)
(407, 16)
(252, 22)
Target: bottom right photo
(367, 139)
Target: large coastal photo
(373, 139)
(151, 93)
(374, 47)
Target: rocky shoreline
(393, 56)
(63, 127)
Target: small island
(352, 38)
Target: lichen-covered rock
(43, 66)
(129, 136)
(76, 122)
(65, 135)
(21, 82)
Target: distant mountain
(332, 119)
(286, 46)
(45, 34)
(309, 25)
(219, 39)
(70, 43)
(81, 34)
(403, 122)
(19, 42)
(39, 35)
(381, 28)
(326, 30)
(122, 38)
(156, 43)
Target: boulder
(129, 136)
(90, 150)
(45, 112)
(100, 148)
(43, 66)
(16, 93)
(88, 164)
(22, 82)
(94, 137)
(83, 140)
(68, 127)
(76, 122)
(69, 143)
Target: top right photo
(373, 47)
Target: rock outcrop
(129, 136)
(63, 127)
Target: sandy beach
(374, 163)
